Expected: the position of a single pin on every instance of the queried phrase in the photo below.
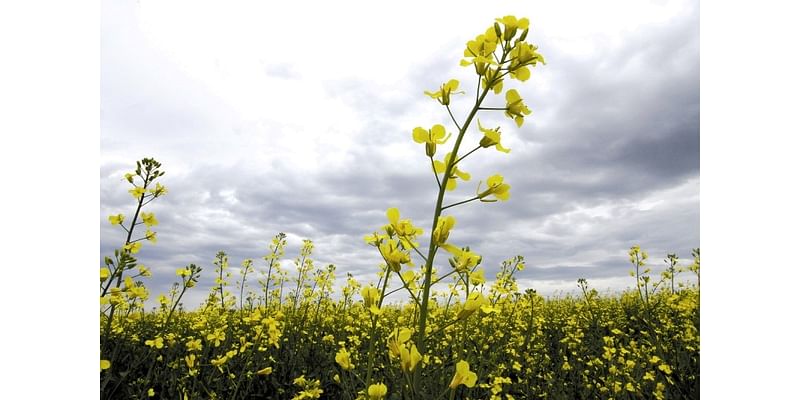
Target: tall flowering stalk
(144, 190)
(499, 53)
(114, 296)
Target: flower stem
(432, 248)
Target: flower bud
(524, 35)
(497, 29)
(510, 32)
(487, 142)
(480, 68)
(430, 149)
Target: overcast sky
(298, 119)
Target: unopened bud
(510, 33)
(430, 149)
(497, 29)
(524, 35)
(445, 97)
(480, 68)
(486, 142)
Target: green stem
(452, 117)
(438, 182)
(465, 155)
(460, 202)
(423, 317)
(372, 335)
(119, 268)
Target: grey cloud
(610, 132)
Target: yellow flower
(410, 279)
(496, 188)
(144, 271)
(654, 359)
(370, 296)
(497, 83)
(159, 190)
(104, 272)
(476, 277)
(512, 24)
(157, 342)
(436, 135)
(151, 392)
(149, 219)
(480, 51)
(376, 391)
(343, 359)
(116, 219)
(442, 231)
(463, 260)
(463, 376)
(491, 137)
(194, 345)
(443, 94)
(440, 167)
(219, 362)
(105, 364)
(515, 108)
(409, 358)
(403, 228)
(151, 236)
(216, 337)
(474, 302)
(265, 371)
(133, 247)
(394, 255)
(397, 339)
(374, 238)
(523, 55)
(137, 192)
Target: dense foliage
(519, 345)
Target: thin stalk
(127, 241)
(465, 155)
(372, 335)
(438, 182)
(452, 117)
(437, 213)
(460, 202)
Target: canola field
(512, 346)
(273, 329)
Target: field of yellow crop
(458, 335)
(513, 345)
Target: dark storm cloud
(632, 112)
